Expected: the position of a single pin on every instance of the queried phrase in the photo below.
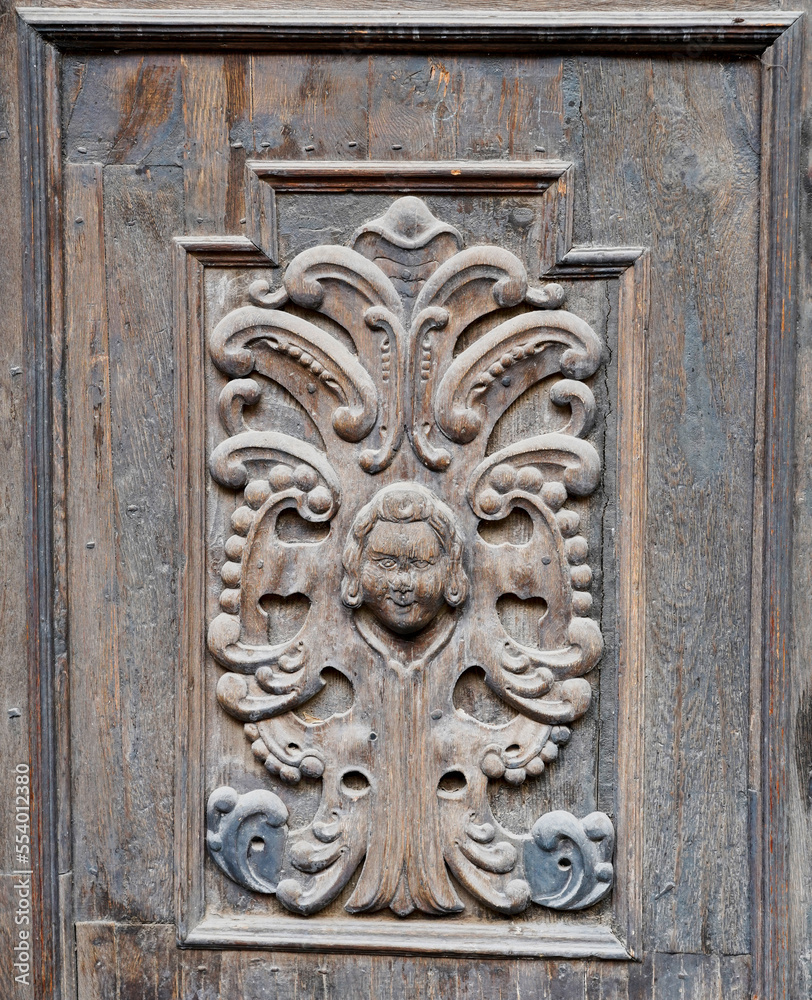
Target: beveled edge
(416, 937)
(691, 32)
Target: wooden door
(410, 416)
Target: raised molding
(266, 178)
(775, 36)
(622, 938)
(694, 32)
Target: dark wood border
(734, 32)
(772, 544)
(49, 736)
(774, 35)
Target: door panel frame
(46, 33)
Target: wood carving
(401, 585)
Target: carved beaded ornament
(376, 342)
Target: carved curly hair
(403, 503)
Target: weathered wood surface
(411, 31)
(702, 348)
(703, 376)
(123, 637)
(798, 801)
(15, 375)
(142, 964)
(696, 774)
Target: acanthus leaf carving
(401, 589)
(252, 339)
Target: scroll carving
(401, 587)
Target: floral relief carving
(401, 585)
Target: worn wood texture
(140, 963)
(798, 792)
(122, 543)
(660, 185)
(702, 343)
(588, 97)
(371, 492)
(331, 30)
(15, 720)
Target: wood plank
(143, 212)
(798, 797)
(731, 31)
(96, 960)
(698, 188)
(124, 678)
(15, 721)
(91, 547)
(606, 982)
(139, 962)
(306, 106)
(43, 422)
(774, 966)
(701, 977)
(123, 109)
(147, 962)
(424, 107)
(216, 115)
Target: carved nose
(402, 581)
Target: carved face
(404, 572)
(403, 559)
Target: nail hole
(564, 864)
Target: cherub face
(403, 575)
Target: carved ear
(351, 581)
(351, 589)
(456, 588)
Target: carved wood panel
(694, 157)
(402, 591)
(368, 555)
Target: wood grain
(45, 582)
(798, 797)
(702, 387)
(305, 106)
(140, 963)
(773, 964)
(93, 640)
(133, 439)
(14, 379)
(123, 110)
(634, 194)
(219, 134)
(464, 107)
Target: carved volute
(399, 583)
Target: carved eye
(421, 563)
(387, 563)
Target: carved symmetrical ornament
(376, 342)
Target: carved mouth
(401, 600)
